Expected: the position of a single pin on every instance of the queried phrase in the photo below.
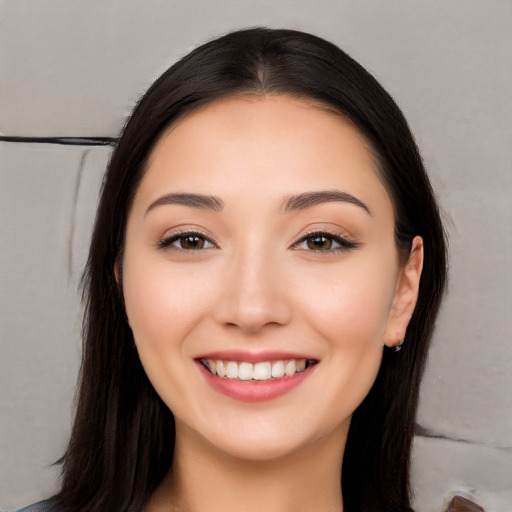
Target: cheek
(162, 310)
(160, 304)
(352, 306)
(350, 313)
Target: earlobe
(118, 273)
(406, 295)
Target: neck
(205, 479)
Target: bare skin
(311, 483)
(262, 228)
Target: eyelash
(168, 242)
(343, 243)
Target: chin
(262, 450)
(266, 442)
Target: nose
(253, 295)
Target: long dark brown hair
(122, 442)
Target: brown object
(462, 504)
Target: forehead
(255, 145)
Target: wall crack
(74, 206)
(421, 431)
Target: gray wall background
(75, 68)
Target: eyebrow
(200, 201)
(309, 199)
(291, 203)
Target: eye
(188, 242)
(321, 242)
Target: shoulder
(41, 506)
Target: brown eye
(192, 242)
(324, 243)
(319, 243)
(187, 242)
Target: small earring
(399, 346)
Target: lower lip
(255, 391)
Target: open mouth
(262, 371)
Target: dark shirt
(41, 506)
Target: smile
(255, 381)
(260, 371)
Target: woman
(264, 274)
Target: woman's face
(261, 276)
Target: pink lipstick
(255, 376)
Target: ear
(406, 295)
(118, 272)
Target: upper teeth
(264, 370)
